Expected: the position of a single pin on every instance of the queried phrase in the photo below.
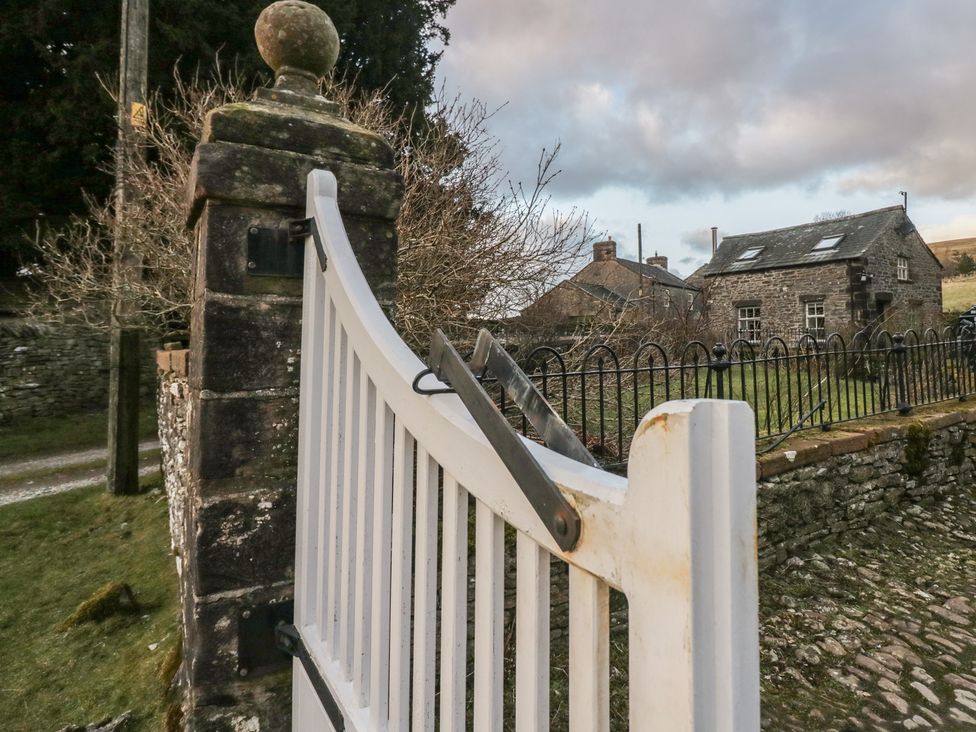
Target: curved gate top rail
(390, 485)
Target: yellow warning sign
(138, 116)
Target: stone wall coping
(853, 438)
(175, 362)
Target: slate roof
(793, 245)
(600, 292)
(653, 271)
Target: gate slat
(425, 594)
(336, 497)
(364, 549)
(323, 451)
(379, 670)
(400, 582)
(589, 652)
(350, 505)
(454, 607)
(313, 378)
(532, 636)
(489, 592)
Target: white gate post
(693, 584)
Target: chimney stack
(661, 262)
(714, 240)
(605, 251)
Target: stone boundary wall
(173, 406)
(831, 482)
(47, 370)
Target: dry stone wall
(46, 370)
(841, 481)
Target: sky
(742, 114)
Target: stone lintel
(298, 130)
(254, 176)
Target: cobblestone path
(878, 630)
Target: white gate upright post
(693, 594)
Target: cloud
(680, 98)
(698, 240)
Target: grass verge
(49, 435)
(55, 553)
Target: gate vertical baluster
(401, 585)
(454, 608)
(489, 590)
(382, 537)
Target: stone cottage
(610, 286)
(836, 275)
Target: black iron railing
(815, 383)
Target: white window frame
(816, 319)
(749, 254)
(902, 269)
(827, 243)
(750, 322)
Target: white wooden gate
(382, 570)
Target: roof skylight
(750, 253)
(828, 242)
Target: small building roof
(656, 272)
(848, 237)
(599, 292)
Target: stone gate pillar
(247, 180)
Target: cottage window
(750, 324)
(828, 242)
(816, 320)
(750, 253)
(902, 269)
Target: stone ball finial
(299, 42)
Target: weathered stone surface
(297, 37)
(244, 541)
(246, 344)
(307, 132)
(253, 437)
(213, 661)
(248, 176)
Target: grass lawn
(46, 435)
(958, 293)
(55, 552)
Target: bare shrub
(474, 246)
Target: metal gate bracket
(280, 251)
(558, 514)
(290, 641)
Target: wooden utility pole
(122, 475)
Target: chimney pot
(605, 251)
(714, 240)
(660, 261)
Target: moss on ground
(55, 554)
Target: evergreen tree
(59, 122)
